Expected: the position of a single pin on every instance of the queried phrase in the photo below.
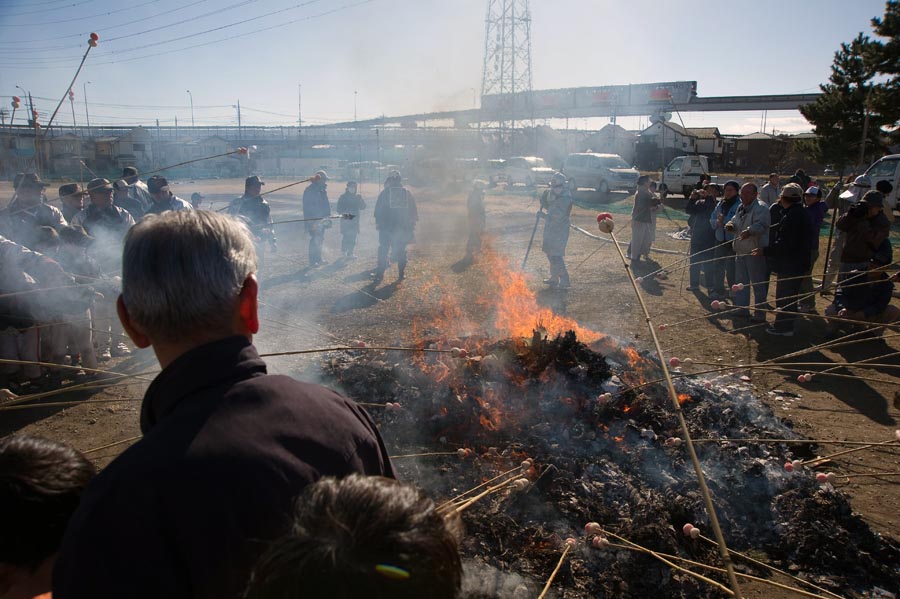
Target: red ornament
(604, 216)
(95, 37)
(17, 99)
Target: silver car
(601, 172)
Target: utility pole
(87, 116)
(299, 120)
(240, 133)
(354, 107)
(192, 107)
(176, 127)
(865, 132)
(72, 104)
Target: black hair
(41, 482)
(642, 180)
(362, 536)
(884, 186)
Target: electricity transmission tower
(507, 59)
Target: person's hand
(843, 313)
(744, 235)
(756, 252)
(720, 219)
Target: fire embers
(594, 452)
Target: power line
(81, 35)
(32, 12)
(211, 42)
(105, 14)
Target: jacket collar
(214, 364)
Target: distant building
(759, 153)
(612, 139)
(661, 142)
(711, 144)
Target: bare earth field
(334, 305)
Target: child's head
(362, 537)
(41, 482)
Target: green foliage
(864, 80)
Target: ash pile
(592, 450)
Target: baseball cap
(812, 191)
(253, 180)
(196, 196)
(792, 191)
(31, 180)
(71, 189)
(156, 183)
(322, 175)
(873, 198)
(129, 171)
(99, 184)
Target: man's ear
(140, 339)
(248, 309)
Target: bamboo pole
(108, 445)
(475, 488)
(704, 490)
(553, 574)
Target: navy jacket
(790, 241)
(186, 511)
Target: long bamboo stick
(686, 436)
(553, 574)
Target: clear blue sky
(403, 56)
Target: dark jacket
(862, 235)
(817, 211)
(186, 511)
(315, 205)
(644, 201)
(702, 234)
(258, 215)
(871, 299)
(396, 213)
(788, 249)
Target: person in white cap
(842, 203)
(316, 205)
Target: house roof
(704, 132)
(616, 130)
(668, 125)
(759, 135)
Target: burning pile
(595, 451)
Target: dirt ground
(305, 308)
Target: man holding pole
(556, 206)
(316, 206)
(750, 226)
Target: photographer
(700, 206)
(864, 227)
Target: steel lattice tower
(507, 57)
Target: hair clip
(392, 572)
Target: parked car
(886, 168)
(494, 171)
(683, 173)
(829, 172)
(362, 171)
(527, 170)
(601, 172)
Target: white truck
(683, 173)
(886, 168)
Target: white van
(683, 173)
(602, 172)
(886, 168)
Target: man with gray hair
(185, 511)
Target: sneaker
(779, 332)
(550, 283)
(564, 286)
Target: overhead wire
(69, 20)
(108, 27)
(212, 42)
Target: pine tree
(885, 57)
(839, 114)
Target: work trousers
(559, 275)
(348, 242)
(701, 269)
(753, 273)
(723, 269)
(787, 287)
(806, 284)
(395, 243)
(316, 239)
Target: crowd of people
(742, 235)
(233, 488)
(250, 484)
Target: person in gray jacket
(750, 226)
(556, 205)
(770, 191)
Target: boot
(402, 269)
